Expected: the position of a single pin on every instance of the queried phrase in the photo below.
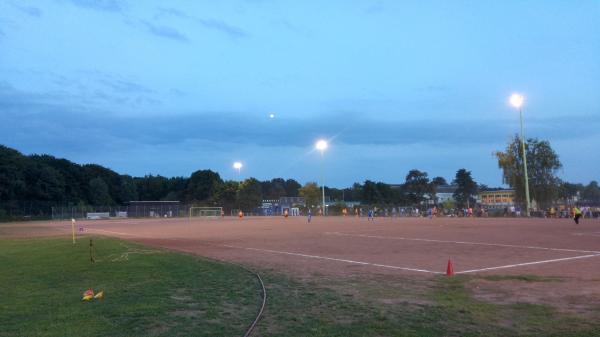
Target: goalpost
(205, 212)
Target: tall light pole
(321, 145)
(516, 101)
(238, 166)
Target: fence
(41, 212)
(132, 211)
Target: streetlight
(321, 145)
(238, 166)
(516, 100)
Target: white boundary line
(335, 259)
(586, 234)
(526, 264)
(463, 242)
(596, 254)
(87, 229)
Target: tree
(591, 193)
(292, 188)
(567, 192)
(202, 185)
(127, 189)
(226, 195)
(250, 194)
(311, 194)
(369, 192)
(416, 186)
(542, 165)
(439, 181)
(384, 193)
(433, 185)
(274, 189)
(467, 189)
(45, 183)
(99, 192)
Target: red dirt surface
(341, 246)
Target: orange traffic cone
(449, 269)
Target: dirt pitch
(552, 249)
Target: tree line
(32, 184)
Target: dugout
(153, 209)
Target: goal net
(205, 212)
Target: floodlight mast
(238, 166)
(516, 100)
(321, 145)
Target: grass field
(153, 292)
(148, 292)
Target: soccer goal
(205, 212)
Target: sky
(155, 87)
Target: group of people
(576, 213)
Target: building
(497, 198)
(278, 206)
(445, 193)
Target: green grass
(401, 306)
(147, 292)
(524, 278)
(152, 292)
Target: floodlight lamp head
(516, 100)
(321, 145)
(237, 165)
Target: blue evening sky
(169, 87)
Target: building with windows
(445, 193)
(278, 206)
(496, 198)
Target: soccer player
(309, 215)
(370, 215)
(576, 214)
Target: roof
(498, 190)
(446, 188)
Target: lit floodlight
(516, 100)
(237, 165)
(272, 116)
(321, 145)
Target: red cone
(449, 269)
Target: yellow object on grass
(88, 295)
(99, 295)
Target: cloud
(364, 148)
(124, 86)
(165, 32)
(227, 127)
(217, 25)
(31, 11)
(101, 5)
(223, 27)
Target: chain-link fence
(131, 211)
